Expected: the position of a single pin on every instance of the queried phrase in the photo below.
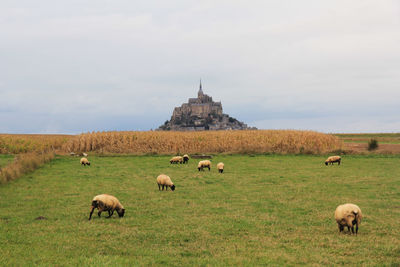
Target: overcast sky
(77, 66)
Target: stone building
(201, 113)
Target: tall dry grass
(24, 163)
(23, 143)
(260, 141)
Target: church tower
(200, 94)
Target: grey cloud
(267, 62)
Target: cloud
(140, 59)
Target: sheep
(204, 164)
(348, 215)
(108, 203)
(84, 154)
(220, 167)
(84, 161)
(185, 158)
(333, 159)
(176, 160)
(164, 180)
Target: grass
(5, 159)
(275, 210)
(383, 138)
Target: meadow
(383, 138)
(264, 209)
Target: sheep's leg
(99, 213)
(356, 228)
(91, 212)
(340, 228)
(159, 189)
(162, 187)
(208, 168)
(110, 213)
(352, 229)
(166, 188)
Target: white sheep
(84, 161)
(204, 164)
(220, 167)
(333, 159)
(185, 158)
(165, 180)
(108, 203)
(348, 215)
(176, 160)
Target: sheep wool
(176, 160)
(204, 164)
(332, 160)
(165, 180)
(108, 203)
(84, 161)
(185, 158)
(348, 215)
(220, 167)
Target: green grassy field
(263, 210)
(5, 160)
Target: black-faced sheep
(220, 167)
(185, 158)
(333, 159)
(204, 164)
(348, 215)
(164, 180)
(108, 203)
(84, 161)
(176, 160)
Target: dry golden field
(242, 142)
(23, 143)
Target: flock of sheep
(346, 215)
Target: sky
(79, 66)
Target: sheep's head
(121, 213)
(351, 219)
(355, 217)
(88, 163)
(173, 187)
(326, 163)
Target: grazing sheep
(84, 161)
(185, 158)
(84, 154)
(164, 180)
(348, 215)
(204, 164)
(220, 167)
(333, 159)
(176, 160)
(108, 203)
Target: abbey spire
(200, 92)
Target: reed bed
(24, 163)
(240, 142)
(23, 143)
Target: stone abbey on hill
(202, 113)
